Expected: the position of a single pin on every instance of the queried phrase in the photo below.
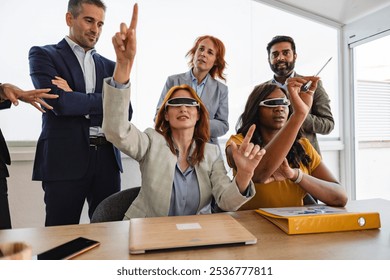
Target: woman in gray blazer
(180, 170)
(207, 62)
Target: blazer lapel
(73, 65)
(209, 90)
(186, 78)
(99, 73)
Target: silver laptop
(147, 234)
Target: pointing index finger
(249, 134)
(134, 18)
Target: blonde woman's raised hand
(125, 45)
(124, 41)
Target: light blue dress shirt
(198, 87)
(283, 86)
(87, 64)
(185, 196)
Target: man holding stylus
(281, 57)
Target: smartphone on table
(69, 249)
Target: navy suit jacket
(4, 154)
(63, 147)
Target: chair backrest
(114, 207)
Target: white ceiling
(340, 11)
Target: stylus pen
(306, 86)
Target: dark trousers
(65, 199)
(5, 218)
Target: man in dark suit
(73, 159)
(10, 94)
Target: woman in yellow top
(301, 169)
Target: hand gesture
(125, 45)
(282, 173)
(34, 97)
(301, 100)
(125, 41)
(246, 158)
(61, 83)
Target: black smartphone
(69, 249)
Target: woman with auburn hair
(181, 172)
(217, 69)
(207, 64)
(302, 170)
(201, 133)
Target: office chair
(114, 207)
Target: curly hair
(250, 116)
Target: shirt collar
(77, 48)
(274, 81)
(194, 80)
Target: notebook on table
(147, 234)
(319, 218)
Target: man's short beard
(283, 72)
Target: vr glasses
(180, 101)
(275, 102)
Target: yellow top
(284, 193)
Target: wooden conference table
(272, 243)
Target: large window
(166, 31)
(372, 93)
